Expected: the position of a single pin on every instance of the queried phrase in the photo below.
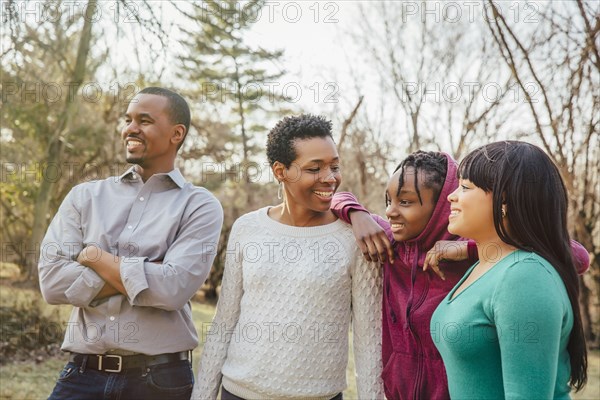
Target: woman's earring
(503, 212)
(280, 191)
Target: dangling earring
(503, 212)
(280, 191)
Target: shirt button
(130, 227)
(142, 198)
(112, 318)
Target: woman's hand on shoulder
(371, 238)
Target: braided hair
(433, 166)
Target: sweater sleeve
(528, 310)
(343, 204)
(215, 349)
(366, 328)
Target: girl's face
(407, 216)
(471, 212)
(314, 175)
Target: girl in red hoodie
(417, 212)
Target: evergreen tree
(226, 70)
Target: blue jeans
(171, 381)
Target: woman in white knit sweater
(294, 279)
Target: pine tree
(226, 70)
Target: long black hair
(523, 179)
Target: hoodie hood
(436, 228)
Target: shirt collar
(175, 175)
(130, 174)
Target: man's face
(148, 131)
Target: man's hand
(106, 265)
(371, 238)
(89, 255)
(445, 250)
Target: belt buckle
(120, 364)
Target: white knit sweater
(281, 327)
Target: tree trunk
(415, 143)
(56, 144)
(246, 161)
(42, 205)
(586, 318)
(588, 295)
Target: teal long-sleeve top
(506, 335)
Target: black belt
(117, 363)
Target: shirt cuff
(133, 276)
(85, 288)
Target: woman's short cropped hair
(280, 141)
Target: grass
(29, 380)
(34, 380)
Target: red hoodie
(412, 366)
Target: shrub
(27, 331)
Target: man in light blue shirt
(128, 253)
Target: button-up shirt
(164, 230)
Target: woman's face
(471, 212)
(314, 175)
(407, 216)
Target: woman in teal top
(509, 329)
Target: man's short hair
(178, 109)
